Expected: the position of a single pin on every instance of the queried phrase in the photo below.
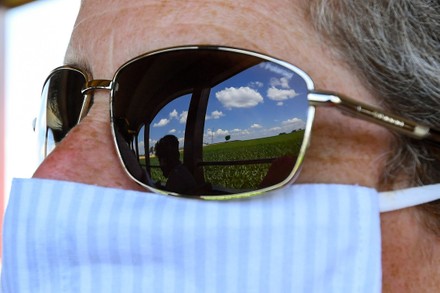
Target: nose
(87, 154)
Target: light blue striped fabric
(69, 237)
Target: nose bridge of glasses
(97, 84)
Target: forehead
(104, 39)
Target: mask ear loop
(409, 197)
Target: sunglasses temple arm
(366, 112)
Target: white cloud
(172, 131)
(243, 97)
(294, 123)
(174, 114)
(281, 94)
(270, 66)
(161, 123)
(245, 132)
(282, 82)
(256, 84)
(141, 147)
(277, 128)
(256, 126)
(280, 103)
(218, 132)
(152, 142)
(222, 132)
(215, 115)
(183, 116)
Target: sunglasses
(205, 121)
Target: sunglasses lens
(209, 122)
(61, 108)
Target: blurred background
(33, 38)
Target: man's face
(342, 150)
(164, 166)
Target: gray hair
(394, 48)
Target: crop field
(247, 176)
(241, 176)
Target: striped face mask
(69, 237)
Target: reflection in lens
(239, 120)
(61, 107)
(177, 176)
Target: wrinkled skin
(343, 149)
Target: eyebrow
(79, 63)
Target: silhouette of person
(180, 179)
(279, 170)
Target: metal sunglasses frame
(316, 98)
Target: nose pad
(87, 155)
